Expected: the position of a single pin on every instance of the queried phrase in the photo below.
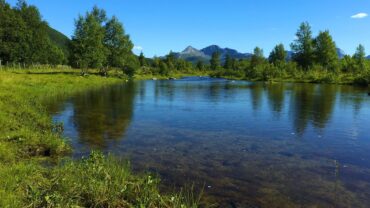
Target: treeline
(24, 37)
(313, 59)
(164, 65)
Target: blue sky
(158, 26)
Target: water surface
(249, 144)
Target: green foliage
(61, 41)
(215, 61)
(163, 68)
(348, 64)
(303, 47)
(325, 51)
(142, 60)
(118, 44)
(166, 66)
(200, 66)
(360, 59)
(99, 181)
(131, 65)
(24, 36)
(87, 46)
(278, 54)
(99, 42)
(257, 57)
(228, 62)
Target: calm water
(249, 144)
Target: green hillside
(59, 39)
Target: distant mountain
(289, 55)
(368, 57)
(194, 55)
(224, 52)
(340, 53)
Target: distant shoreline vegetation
(100, 42)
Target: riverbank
(29, 141)
(312, 76)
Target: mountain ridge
(194, 55)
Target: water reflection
(252, 144)
(100, 116)
(312, 104)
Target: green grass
(32, 171)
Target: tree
(347, 64)
(118, 44)
(56, 55)
(171, 57)
(12, 37)
(99, 14)
(360, 58)
(215, 61)
(131, 64)
(303, 51)
(24, 36)
(163, 68)
(325, 51)
(257, 57)
(87, 46)
(228, 62)
(171, 60)
(99, 42)
(200, 65)
(278, 54)
(142, 60)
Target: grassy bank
(29, 140)
(299, 76)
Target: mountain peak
(190, 49)
(194, 55)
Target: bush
(129, 71)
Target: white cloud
(359, 15)
(138, 48)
